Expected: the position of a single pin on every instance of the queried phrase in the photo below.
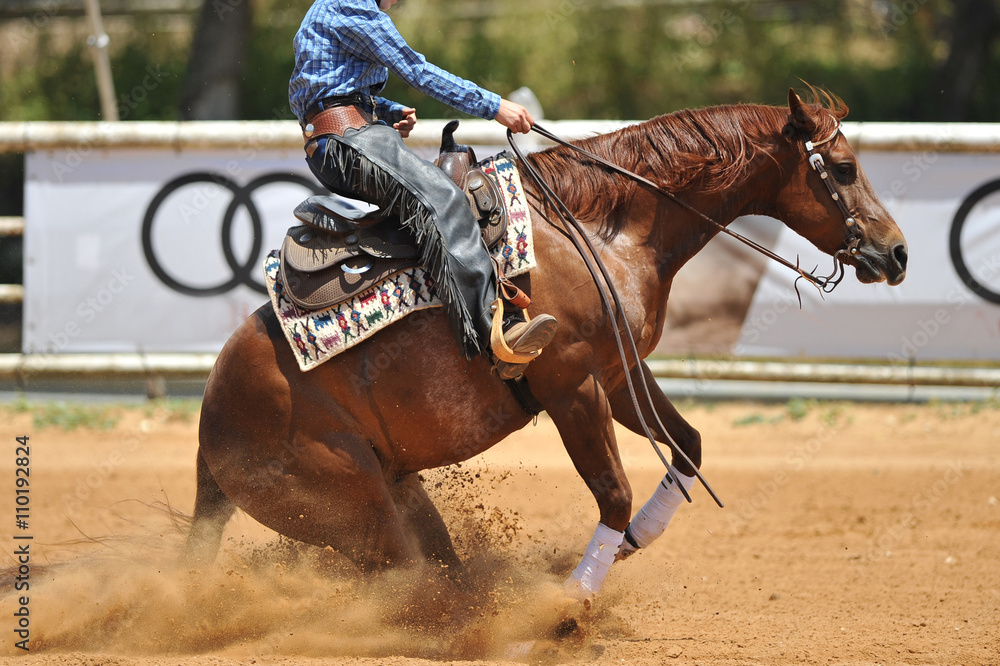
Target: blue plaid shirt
(347, 46)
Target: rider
(344, 51)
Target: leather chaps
(373, 164)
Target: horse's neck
(657, 236)
(676, 235)
(671, 235)
(679, 234)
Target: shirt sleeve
(389, 111)
(370, 34)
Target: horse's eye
(845, 169)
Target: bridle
(595, 265)
(852, 241)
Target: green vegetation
(173, 410)
(583, 58)
(73, 416)
(77, 415)
(798, 408)
(959, 410)
(753, 419)
(831, 416)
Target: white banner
(144, 251)
(154, 250)
(948, 208)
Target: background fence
(89, 185)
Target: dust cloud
(130, 595)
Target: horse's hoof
(576, 590)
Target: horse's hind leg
(324, 488)
(212, 510)
(425, 523)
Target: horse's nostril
(899, 254)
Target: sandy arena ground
(853, 534)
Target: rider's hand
(406, 124)
(515, 117)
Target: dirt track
(853, 534)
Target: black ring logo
(241, 198)
(955, 241)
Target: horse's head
(849, 222)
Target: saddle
(340, 251)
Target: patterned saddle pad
(316, 336)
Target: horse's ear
(801, 117)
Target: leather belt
(351, 99)
(335, 120)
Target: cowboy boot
(522, 343)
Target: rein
(825, 284)
(579, 240)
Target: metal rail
(11, 293)
(833, 373)
(22, 366)
(87, 137)
(11, 226)
(95, 366)
(285, 135)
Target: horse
(331, 457)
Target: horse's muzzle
(872, 265)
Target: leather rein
(825, 284)
(581, 238)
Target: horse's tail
(212, 510)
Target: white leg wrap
(588, 577)
(654, 516)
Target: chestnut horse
(330, 457)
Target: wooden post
(98, 41)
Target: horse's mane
(713, 146)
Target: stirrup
(511, 364)
(498, 343)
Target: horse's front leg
(654, 516)
(587, 430)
